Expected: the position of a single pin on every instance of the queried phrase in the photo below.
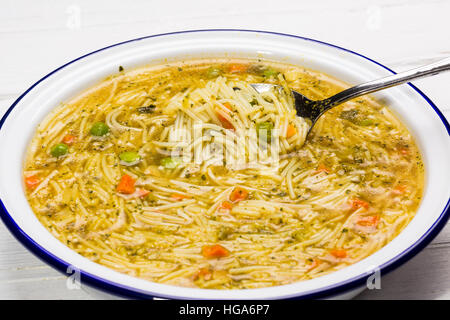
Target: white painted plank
(43, 37)
(426, 276)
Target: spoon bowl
(312, 110)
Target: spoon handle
(396, 79)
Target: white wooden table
(38, 36)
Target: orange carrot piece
(126, 184)
(291, 130)
(400, 189)
(314, 264)
(358, 203)
(178, 197)
(225, 122)
(238, 194)
(69, 139)
(228, 106)
(237, 68)
(369, 221)
(142, 193)
(215, 251)
(226, 205)
(404, 151)
(204, 273)
(323, 168)
(31, 182)
(340, 254)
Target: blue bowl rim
(129, 292)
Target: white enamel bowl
(423, 119)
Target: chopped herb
(147, 109)
(349, 115)
(264, 131)
(366, 122)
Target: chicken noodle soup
(183, 174)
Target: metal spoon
(312, 110)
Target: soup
(183, 174)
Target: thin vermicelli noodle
(184, 174)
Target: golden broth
(120, 175)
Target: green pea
(170, 163)
(213, 72)
(59, 150)
(129, 156)
(264, 130)
(99, 129)
(269, 72)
